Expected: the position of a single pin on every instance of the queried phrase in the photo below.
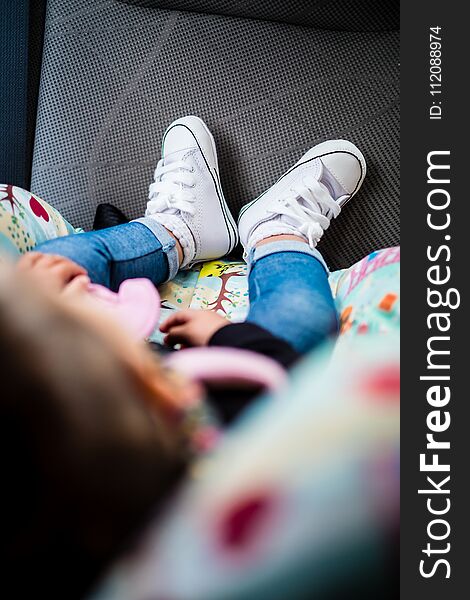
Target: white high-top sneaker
(304, 200)
(186, 196)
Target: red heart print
(38, 209)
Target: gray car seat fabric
(115, 74)
(338, 15)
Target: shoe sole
(329, 147)
(230, 224)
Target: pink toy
(136, 306)
(213, 365)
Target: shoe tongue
(170, 159)
(336, 190)
(176, 156)
(316, 171)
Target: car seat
(270, 78)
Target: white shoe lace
(170, 190)
(309, 209)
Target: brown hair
(84, 460)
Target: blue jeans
(136, 249)
(288, 282)
(290, 295)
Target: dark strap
(21, 37)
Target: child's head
(87, 449)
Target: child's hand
(192, 327)
(54, 273)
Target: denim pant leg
(138, 249)
(290, 295)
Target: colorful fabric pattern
(367, 294)
(26, 221)
(217, 285)
(176, 295)
(302, 495)
(222, 286)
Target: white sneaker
(186, 196)
(304, 200)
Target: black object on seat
(116, 73)
(108, 215)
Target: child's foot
(304, 200)
(186, 196)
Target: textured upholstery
(338, 15)
(115, 74)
